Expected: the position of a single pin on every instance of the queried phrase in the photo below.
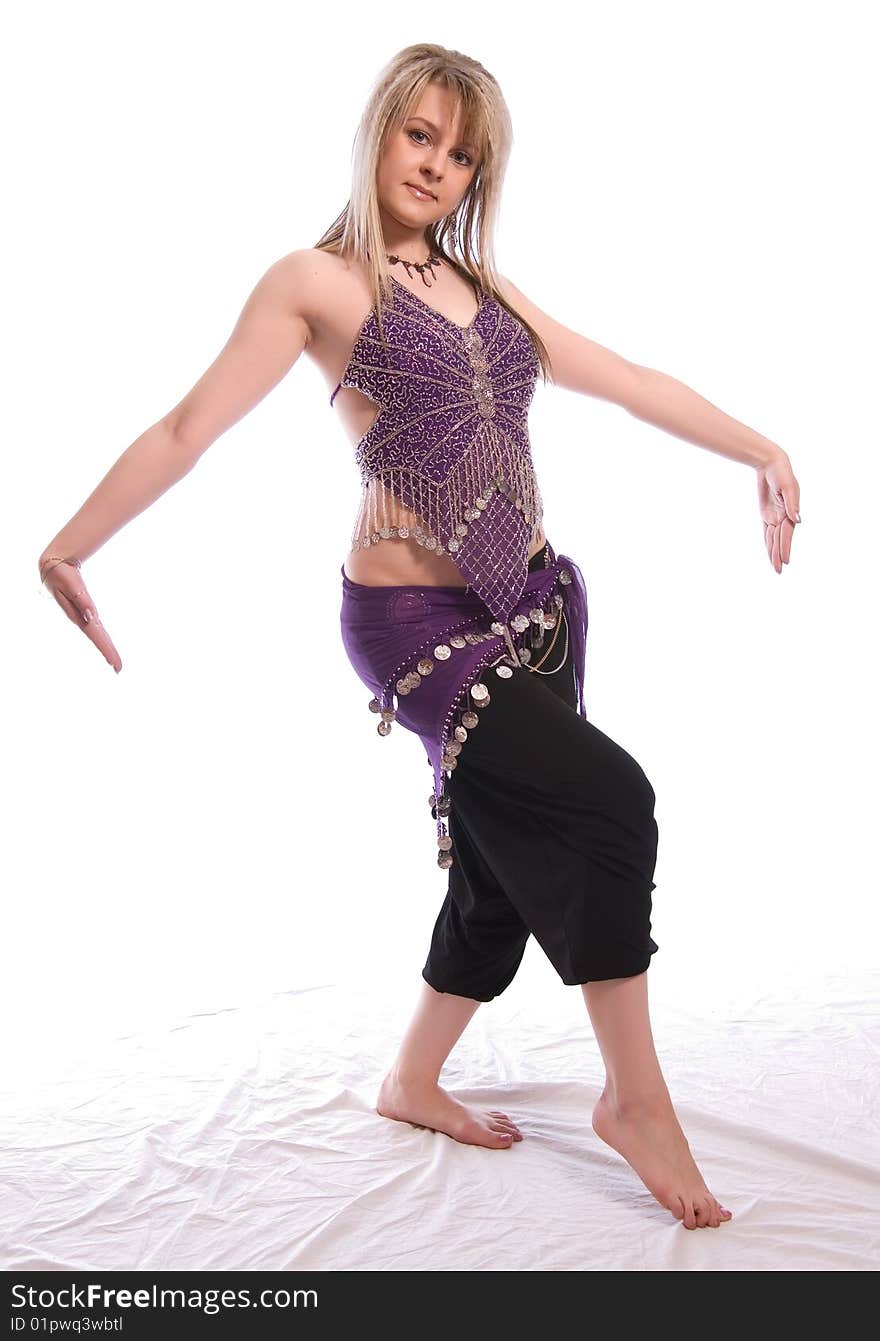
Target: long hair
(357, 232)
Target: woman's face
(426, 152)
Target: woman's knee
(625, 774)
(641, 801)
(644, 788)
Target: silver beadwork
(403, 486)
(564, 577)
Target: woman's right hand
(66, 584)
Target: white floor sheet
(246, 1137)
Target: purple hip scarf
(428, 655)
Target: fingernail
(87, 614)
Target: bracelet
(52, 561)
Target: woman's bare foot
(428, 1105)
(650, 1139)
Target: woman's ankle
(636, 1101)
(406, 1076)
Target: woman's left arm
(582, 365)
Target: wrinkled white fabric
(246, 1138)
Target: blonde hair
(357, 232)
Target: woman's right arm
(268, 338)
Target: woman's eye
(467, 157)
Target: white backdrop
(690, 186)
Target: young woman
(457, 613)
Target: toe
(721, 1212)
(689, 1219)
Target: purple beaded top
(451, 438)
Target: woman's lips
(419, 195)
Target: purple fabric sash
(389, 631)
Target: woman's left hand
(779, 498)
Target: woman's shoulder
(321, 282)
(311, 267)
